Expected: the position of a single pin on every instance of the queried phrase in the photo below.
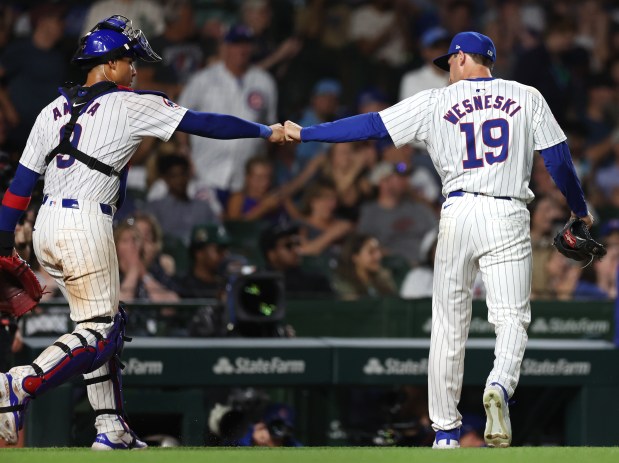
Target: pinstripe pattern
(478, 233)
(220, 163)
(76, 245)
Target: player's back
(480, 133)
(110, 129)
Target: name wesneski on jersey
(478, 103)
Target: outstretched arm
(558, 162)
(226, 127)
(14, 203)
(362, 127)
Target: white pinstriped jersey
(221, 163)
(110, 130)
(480, 133)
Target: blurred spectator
(418, 167)
(176, 212)
(32, 70)
(146, 15)
(398, 222)
(178, 47)
(135, 280)
(457, 16)
(554, 68)
(345, 165)
(231, 87)
(371, 100)
(359, 272)
(323, 107)
(418, 281)
(379, 32)
(320, 229)
(434, 42)
(599, 116)
(272, 51)
(547, 217)
(274, 429)
(258, 200)
(280, 247)
(161, 266)
(607, 176)
(208, 251)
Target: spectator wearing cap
(394, 218)
(31, 69)
(207, 251)
(235, 87)
(176, 212)
(434, 42)
(180, 49)
(280, 246)
(371, 100)
(323, 107)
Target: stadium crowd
(363, 213)
(352, 220)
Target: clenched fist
(278, 134)
(293, 131)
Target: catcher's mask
(111, 39)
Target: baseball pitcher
(83, 141)
(481, 134)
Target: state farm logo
(139, 367)
(259, 366)
(394, 366)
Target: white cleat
(447, 439)
(498, 431)
(118, 440)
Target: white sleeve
(408, 120)
(546, 129)
(33, 156)
(272, 111)
(153, 115)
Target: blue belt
(74, 204)
(462, 193)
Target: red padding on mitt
(20, 290)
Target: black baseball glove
(575, 242)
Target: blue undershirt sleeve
(22, 185)
(361, 127)
(558, 162)
(221, 126)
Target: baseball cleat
(118, 440)
(498, 432)
(11, 409)
(447, 439)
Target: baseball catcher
(574, 241)
(20, 290)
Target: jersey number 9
(64, 160)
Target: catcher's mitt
(20, 291)
(575, 242)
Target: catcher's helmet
(111, 39)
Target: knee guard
(82, 351)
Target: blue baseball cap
(327, 87)
(434, 35)
(468, 42)
(239, 33)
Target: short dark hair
(165, 163)
(483, 60)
